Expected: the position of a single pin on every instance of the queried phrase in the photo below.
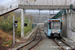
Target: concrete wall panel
(73, 21)
(64, 25)
(71, 26)
(50, 2)
(69, 33)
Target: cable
(29, 4)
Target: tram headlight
(53, 32)
(58, 32)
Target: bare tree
(1, 8)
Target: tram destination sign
(55, 20)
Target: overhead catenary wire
(52, 4)
(33, 6)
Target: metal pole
(68, 24)
(29, 20)
(71, 23)
(39, 12)
(53, 11)
(49, 14)
(39, 15)
(32, 20)
(13, 31)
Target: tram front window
(55, 25)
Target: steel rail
(27, 43)
(63, 43)
(37, 42)
(32, 41)
(58, 44)
(67, 45)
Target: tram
(53, 28)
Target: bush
(18, 33)
(7, 44)
(7, 26)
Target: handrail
(9, 6)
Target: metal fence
(9, 6)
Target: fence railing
(9, 6)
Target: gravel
(46, 44)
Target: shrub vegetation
(6, 24)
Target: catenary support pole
(29, 20)
(39, 15)
(49, 14)
(22, 23)
(68, 29)
(13, 30)
(71, 23)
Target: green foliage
(4, 43)
(7, 44)
(6, 24)
(26, 29)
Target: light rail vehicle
(53, 28)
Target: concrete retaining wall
(68, 26)
(64, 25)
(73, 27)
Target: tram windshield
(55, 25)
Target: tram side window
(50, 25)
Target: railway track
(36, 39)
(63, 45)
